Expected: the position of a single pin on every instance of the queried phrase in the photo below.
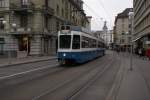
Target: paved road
(15, 69)
(90, 81)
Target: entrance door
(46, 45)
(24, 44)
(2, 46)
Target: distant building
(99, 34)
(122, 34)
(88, 25)
(29, 27)
(107, 34)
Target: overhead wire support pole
(131, 15)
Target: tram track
(6, 71)
(89, 83)
(68, 82)
(30, 73)
(36, 87)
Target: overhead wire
(93, 11)
(106, 11)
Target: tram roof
(81, 29)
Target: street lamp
(4, 22)
(13, 25)
(131, 18)
(126, 36)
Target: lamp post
(9, 51)
(131, 19)
(126, 36)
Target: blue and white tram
(76, 46)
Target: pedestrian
(140, 52)
(143, 52)
(148, 53)
(118, 50)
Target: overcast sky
(102, 10)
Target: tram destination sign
(65, 32)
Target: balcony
(78, 4)
(22, 8)
(47, 10)
(21, 30)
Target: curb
(8, 65)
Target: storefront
(2, 42)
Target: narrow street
(74, 50)
(69, 82)
(105, 78)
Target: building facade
(29, 27)
(107, 34)
(142, 23)
(121, 30)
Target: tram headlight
(64, 54)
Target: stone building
(122, 31)
(142, 23)
(99, 34)
(29, 27)
(105, 34)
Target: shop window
(1, 23)
(2, 42)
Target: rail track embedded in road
(50, 91)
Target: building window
(24, 21)
(57, 10)
(46, 22)
(57, 26)
(46, 3)
(62, 12)
(24, 2)
(1, 23)
(123, 33)
(2, 3)
(122, 41)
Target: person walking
(140, 52)
(118, 50)
(148, 53)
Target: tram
(76, 45)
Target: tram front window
(65, 41)
(76, 42)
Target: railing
(23, 29)
(77, 4)
(21, 6)
(29, 5)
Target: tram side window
(62, 27)
(65, 41)
(99, 44)
(85, 42)
(93, 43)
(76, 42)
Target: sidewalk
(135, 84)
(29, 59)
